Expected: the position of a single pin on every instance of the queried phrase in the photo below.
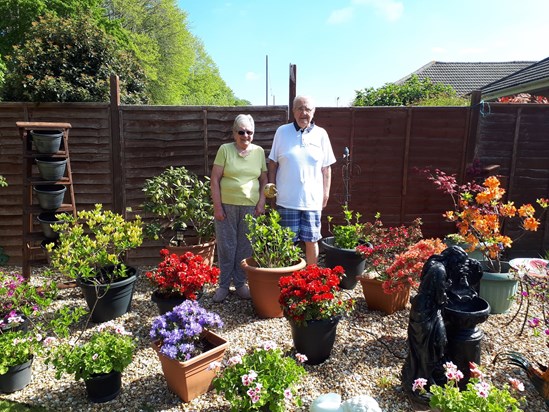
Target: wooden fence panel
(387, 145)
(517, 138)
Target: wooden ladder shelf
(33, 237)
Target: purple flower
(178, 331)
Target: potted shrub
(479, 214)
(182, 211)
(273, 255)
(91, 249)
(340, 248)
(386, 244)
(263, 378)
(186, 347)
(25, 319)
(179, 277)
(98, 359)
(313, 304)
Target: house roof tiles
(465, 77)
(524, 78)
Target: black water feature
(443, 321)
(464, 336)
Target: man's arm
(326, 183)
(272, 167)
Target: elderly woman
(238, 177)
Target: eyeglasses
(243, 132)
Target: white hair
(243, 119)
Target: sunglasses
(243, 132)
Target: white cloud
(341, 15)
(253, 76)
(390, 9)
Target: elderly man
(299, 165)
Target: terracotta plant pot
(192, 378)
(206, 250)
(263, 284)
(376, 299)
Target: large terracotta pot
(206, 250)
(192, 378)
(377, 299)
(263, 284)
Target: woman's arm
(215, 185)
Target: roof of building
(465, 77)
(535, 76)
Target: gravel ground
(367, 358)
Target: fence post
(471, 143)
(118, 193)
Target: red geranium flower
(313, 293)
(182, 275)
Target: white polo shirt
(301, 155)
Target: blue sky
(340, 46)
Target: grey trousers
(232, 245)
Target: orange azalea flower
(526, 210)
(480, 212)
(508, 209)
(491, 182)
(530, 223)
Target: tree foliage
(406, 94)
(70, 60)
(177, 68)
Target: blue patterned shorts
(304, 223)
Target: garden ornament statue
(443, 319)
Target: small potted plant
(91, 249)
(340, 248)
(386, 244)
(99, 359)
(273, 255)
(479, 394)
(313, 304)
(25, 320)
(263, 378)
(181, 210)
(479, 214)
(179, 277)
(19, 299)
(186, 346)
